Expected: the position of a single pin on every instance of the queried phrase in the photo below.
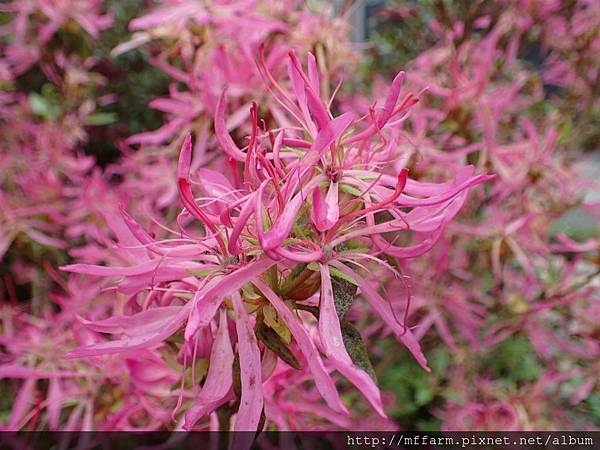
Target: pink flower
(265, 250)
(36, 21)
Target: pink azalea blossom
(263, 242)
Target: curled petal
(380, 305)
(223, 137)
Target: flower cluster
(285, 244)
(516, 267)
(34, 23)
(198, 46)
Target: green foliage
(132, 78)
(592, 403)
(43, 107)
(514, 361)
(413, 389)
(356, 347)
(398, 32)
(344, 292)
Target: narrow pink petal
(155, 333)
(323, 381)
(132, 43)
(158, 136)
(283, 225)
(133, 284)
(326, 211)
(414, 187)
(319, 209)
(380, 305)
(55, 399)
(317, 108)
(214, 183)
(125, 237)
(218, 379)
(240, 223)
(178, 14)
(408, 102)
(46, 240)
(211, 298)
(22, 405)
(173, 106)
(300, 143)
(148, 267)
(88, 417)
(329, 324)
(391, 100)
(300, 92)
(195, 319)
(412, 251)
(185, 191)
(333, 130)
(405, 200)
(313, 256)
(185, 157)
(258, 214)
(251, 403)
(333, 343)
(313, 73)
(223, 137)
(150, 319)
(135, 228)
(363, 382)
(276, 152)
(73, 419)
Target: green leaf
(275, 322)
(592, 404)
(101, 118)
(349, 189)
(343, 276)
(313, 266)
(201, 272)
(250, 293)
(39, 105)
(515, 360)
(297, 270)
(356, 348)
(344, 292)
(405, 380)
(201, 370)
(273, 342)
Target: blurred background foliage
(395, 32)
